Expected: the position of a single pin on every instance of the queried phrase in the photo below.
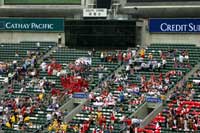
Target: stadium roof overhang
(40, 10)
(164, 10)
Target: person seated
(9, 124)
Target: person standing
(59, 38)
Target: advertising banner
(80, 95)
(153, 99)
(174, 25)
(31, 25)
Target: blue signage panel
(32, 25)
(80, 95)
(153, 99)
(174, 25)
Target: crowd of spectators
(182, 109)
(16, 111)
(114, 91)
(106, 97)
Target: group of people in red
(53, 66)
(74, 84)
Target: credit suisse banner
(32, 24)
(174, 25)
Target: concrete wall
(175, 38)
(184, 38)
(141, 112)
(69, 105)
(75, 110)
(152, 115)
(15, 37)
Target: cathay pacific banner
(174, 25)
(31, 25)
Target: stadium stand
(21, 63)
(182, 105)
(112, 105)
(66, 56)
(118, 83)
(31, 85)
(181, 112)
(102, 77)
(142, 73)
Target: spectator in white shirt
(43, 66)
(54, 98)
(164, 62)
(180, 58)
(49, 117)
(128, 69)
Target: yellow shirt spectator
(27, 119)
(64, 127)
(41, 95)
(142, 53)
(8, 125)
(13, 119)
(99, 114)
(50, 128)
(57, 129)
(163, 97)
(55, 123)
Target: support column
(83, 3)
(90, 3)
(1, 2)
(145, 35)
(139, 29)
